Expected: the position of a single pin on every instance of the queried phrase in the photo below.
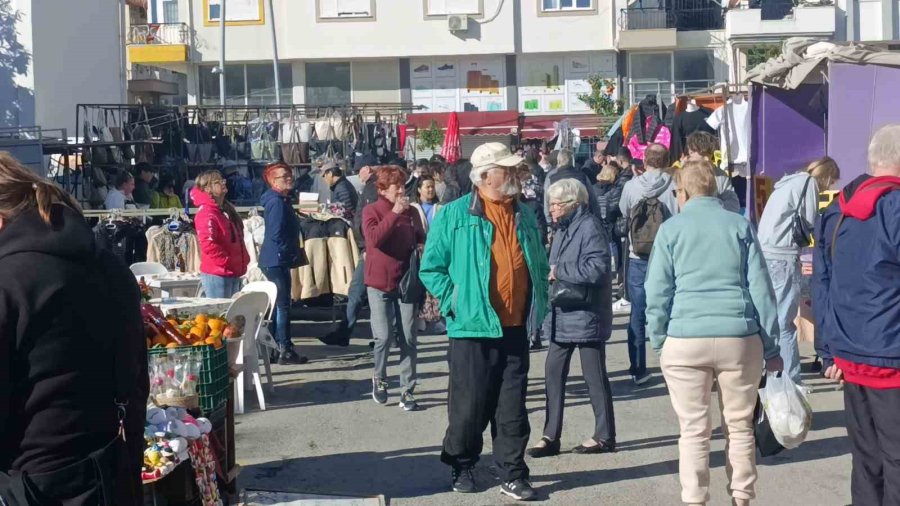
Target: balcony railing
(773, 10)
(685, 15)
(159, 34)
(665, 91)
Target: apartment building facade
(532, 56)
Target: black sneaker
(290, 357)
(408, 402)
(519, 490)
(339, 337)
(379, 391)
(463, 480)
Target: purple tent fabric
(862, 98)
(788, 129)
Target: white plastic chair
(265, 338)
(253, 307)
(148, 269)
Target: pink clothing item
(663, 136)
(222, 249)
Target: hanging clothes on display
(254, 233)
(332, 253)
(733, 135)
(174, 245)
(647, 127)
(686, 123)
(124, 238)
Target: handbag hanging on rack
(293, 150)
(140, 131)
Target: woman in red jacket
(392, 231)
(220, 231)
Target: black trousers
(872, 424)
(488, 382)
(593, 367)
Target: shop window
(237, 12)
(346, 9)
(328, 83)
(246, 85)
(566, 5)
(261, 84)
(650, 74)
(447, 7)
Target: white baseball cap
(493, 153)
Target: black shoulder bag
(800, 230)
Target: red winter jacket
(222, 249)
(390, 241)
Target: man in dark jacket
(68, 376)
(342, 191)
(857, 289)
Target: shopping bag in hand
(788, 411)
(762, 431)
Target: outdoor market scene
(343, 252)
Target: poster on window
(420, 68)
(482, 77)
(445, 88)
(236, 11)
(422, 88)
(604, 64)
(579, 64)
(445, 68)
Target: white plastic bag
(787, 409)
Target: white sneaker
(621, 307)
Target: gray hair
(884, 149)
(568, 190)
(564, 158)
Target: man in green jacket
(485, 263)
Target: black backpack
(646, 218)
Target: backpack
(646, 218)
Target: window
(566, 5)
(238, 12)
(446, 7)
(328, 83)
(170, 11)
(246, 84)
(346, 9)
(694, 69)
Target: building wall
(398, 29)
(557, 32)
(72, 65)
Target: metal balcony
(159, 43)
(682, 15)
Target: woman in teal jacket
(711, 315)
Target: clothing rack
(155, 213)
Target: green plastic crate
(212, 385)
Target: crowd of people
(505, 253)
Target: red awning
(541, 127)
(470, 123)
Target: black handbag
(565, 295)
(800, 230)
(412, 290)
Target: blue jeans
(637, 324)
(785, 276)
(218, 287)
(281, 276)
(355, 295)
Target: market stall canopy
(470, 123)
(804, 60)
(544, 127)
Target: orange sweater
(509, 272)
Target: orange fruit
(210, 340)
(172, 345)
(201, 318)
(199, 343)
(216, 325)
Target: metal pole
(222, 53)
(271, 15)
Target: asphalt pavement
(322, 433)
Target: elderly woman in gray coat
(579, 261)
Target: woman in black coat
(579, 258)
(73, 359)
(610, 183)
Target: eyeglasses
(560, 204)
(286, 177)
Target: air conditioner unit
(458, 23)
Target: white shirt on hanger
(737, 146)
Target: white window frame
(426, 8)
(560, 8)
(342, 15)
